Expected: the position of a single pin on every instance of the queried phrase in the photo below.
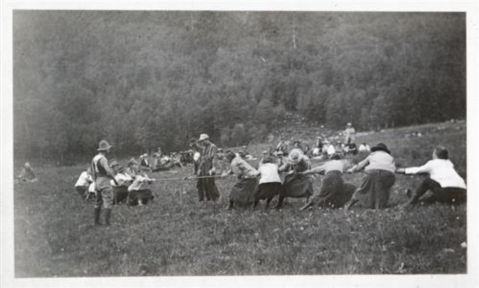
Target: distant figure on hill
(443, 181)
(297, 145)
(102, 174)
(296, 185)
(282, 146)
(244, 190)
(350, 148)
(349, 134)
(27, 175)
(379, 179)
(144, 163)
(206, 185)
(84, 182)
(328, 148)
(334, 193)
(364, 148)
(269, 182)
(318, 147)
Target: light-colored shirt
(84, 180)
(330, 150)
(349, 134)
(333, 165)
(242, 168)
(440, 170)
(121, 178)
(364, 148)
(140, 183)
(269, 173)
(378, 160)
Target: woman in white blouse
(443, 181)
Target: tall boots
(97, 215)
(107, 216)
(280, 202)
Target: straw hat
(103, 146)
(294, 156)
(204, 137)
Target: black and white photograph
(219, 144)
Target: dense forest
(143, 79)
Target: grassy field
(176, 235)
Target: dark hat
(114, 163)
(103, 146)
(380, 147)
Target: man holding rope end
(206, 185)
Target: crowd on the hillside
(109, 182)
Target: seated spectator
(84, 182)
(27, 175)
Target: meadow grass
(176, 235)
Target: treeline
(149, 79)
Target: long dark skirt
(207, 186)
(376, 186)
(244, 191)
(140, 197)
(120, 194)
(297, 186)
(267, 191)
(334, 193)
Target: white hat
(294, 156)
(204, 137)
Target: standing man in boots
(102, 174)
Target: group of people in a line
(264, 182)
(112, 183)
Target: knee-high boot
(107, 216)
(97, 212)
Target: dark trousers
(444, 195)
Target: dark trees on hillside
(149, 79)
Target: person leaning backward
(102, 174)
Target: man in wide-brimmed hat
(206, 185)
(102, 174)
(380, 168)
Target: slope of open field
(176, 235)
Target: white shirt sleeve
(426, 168)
